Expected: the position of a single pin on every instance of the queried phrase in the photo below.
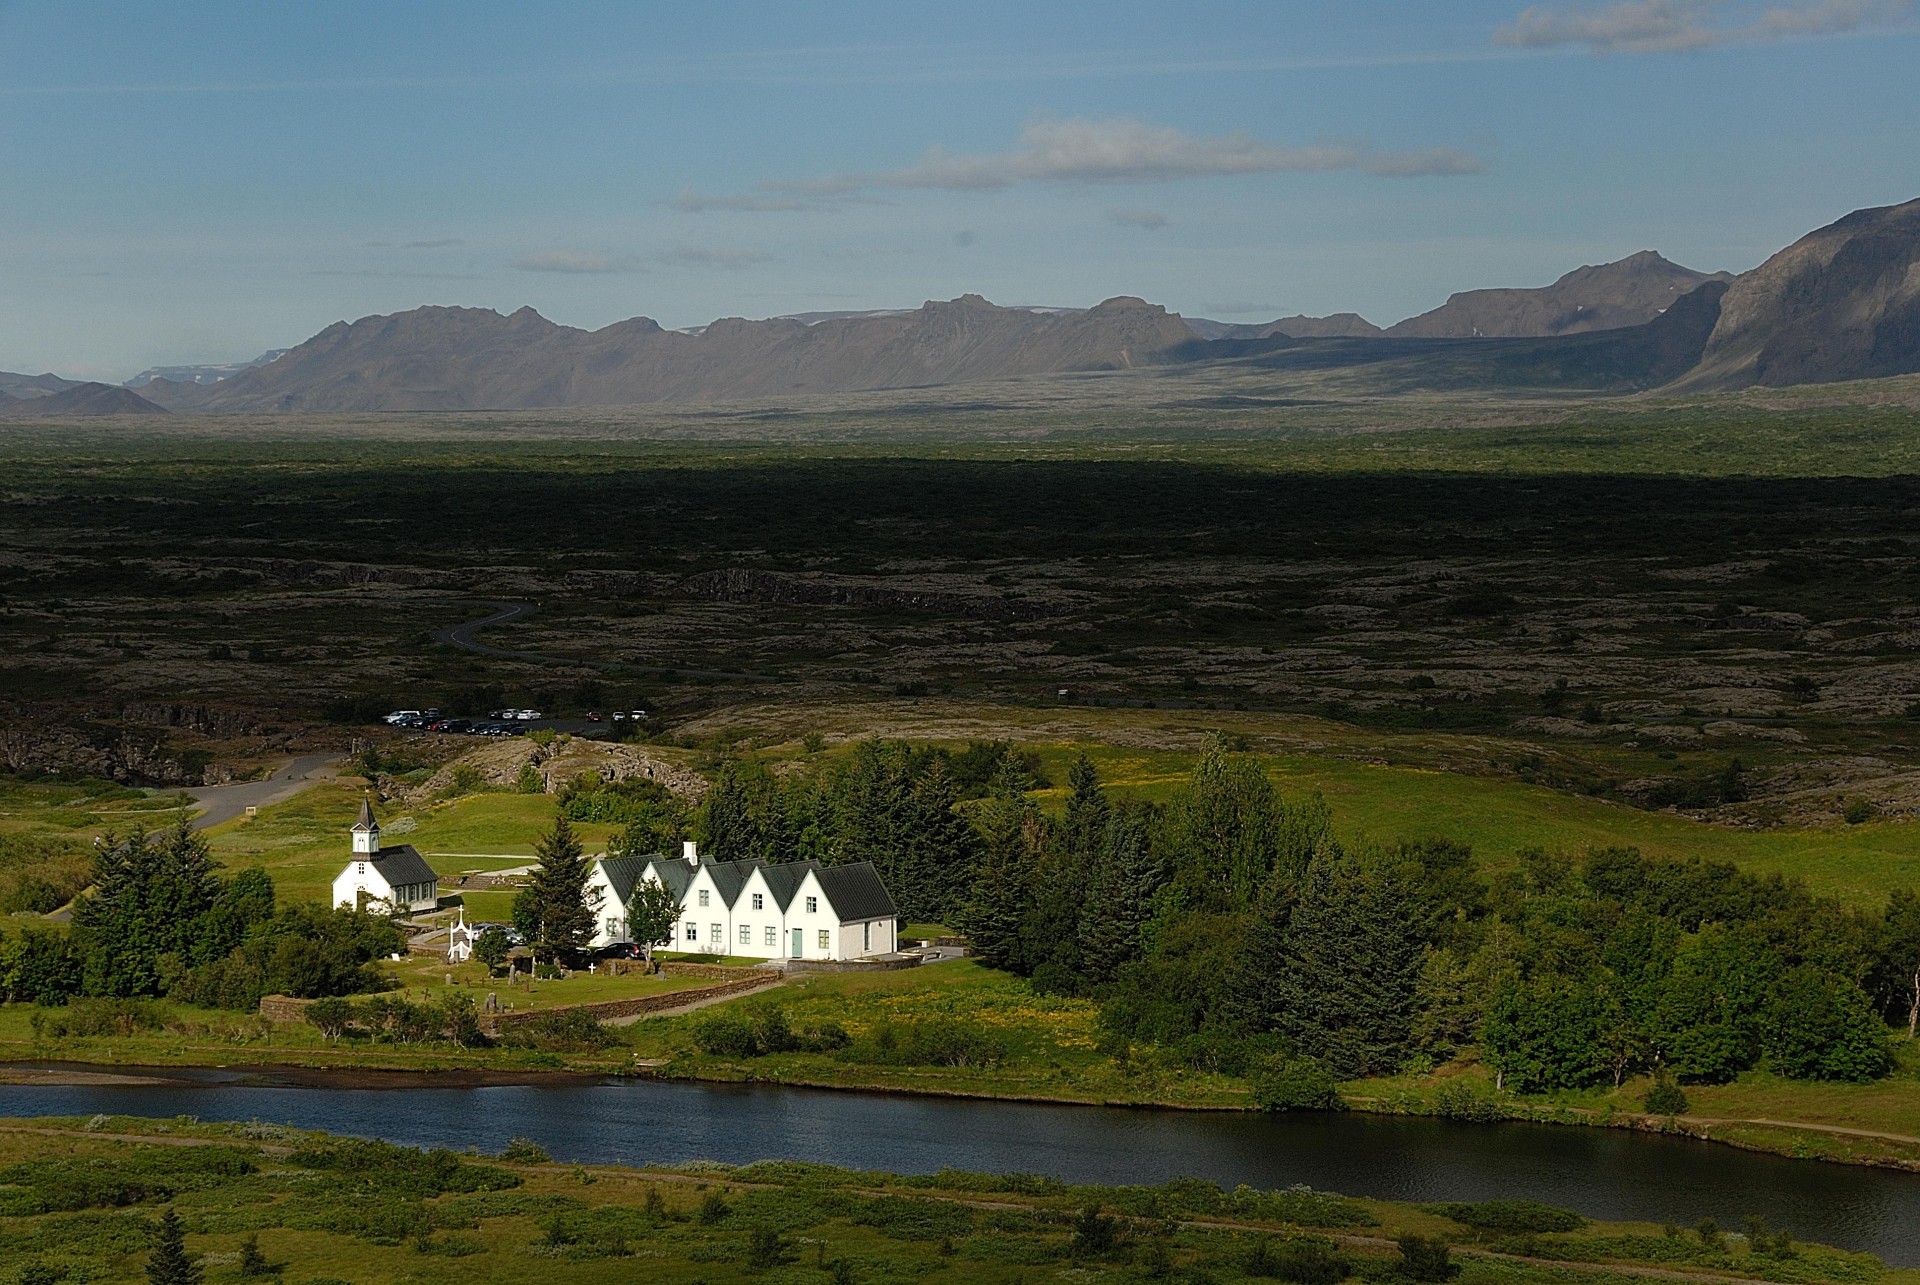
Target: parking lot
(594, 725)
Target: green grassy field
(414, 1217)
(304, 842)
(1500, 817)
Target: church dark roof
(366, 821)
(402, 864)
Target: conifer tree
(1339, 977)
(169, 1263)
(551, 911)
(941, 849)
(148, 901)
(1119, 900)
(995, 914)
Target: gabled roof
(855, 892)
(676, 875)
(622, 874)
(729, 877)
(785, 878)
(402, 864)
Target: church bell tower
(366, 831)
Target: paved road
(224, 802)
(462, 636)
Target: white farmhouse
(785, 910)
(397, 877)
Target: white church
(395, 880)
(785, 910)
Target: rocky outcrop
(1839, 303)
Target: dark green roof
(403, 865)
(623, 873)
(855, 892)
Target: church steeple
(366, 831)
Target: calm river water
(1600, 1172)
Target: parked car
(595, 716)
(399, 716)
(527, 715)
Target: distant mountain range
(82, 399)
(1840, 303)
(211, 374)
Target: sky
(196, 182)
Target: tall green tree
(1896, 972)
(651, 915)
(1822, 1027)
(169, 1263)
(1334, 965)
(995, 913)
(1708, 1024)
(1546, 1033)
(551, 912)
(146, 911)
(1120, 897)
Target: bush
(930, 1042)
(1665, 1098)
(563, 1030)
(1307, 1260)
(1509, 1216)
(1424, 1258)
(1295, 1084)
(525, 1151)
(1094, 1233)
(1467, 1100)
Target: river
(1603, 1173)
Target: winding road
(224, 802)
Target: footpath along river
(1603, 1173)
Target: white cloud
(1666, 26)
(1148, 219)
(575, 261)
(1090, 152)
(705, 256)
(693, 202)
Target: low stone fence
(723, 972)
(283, 1008)
(608, 1010)
(878, 964)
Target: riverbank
(522, 1218)
(1040, 1049)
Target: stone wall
(283, 1008)
(608, 1010)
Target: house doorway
(799, 940)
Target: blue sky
(187, 182)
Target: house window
(693, 931)
(746, 935)
(613, 927)
(757, 902)
(360, 868)
(866, 937)
(703, 896)
(773, 935)
(826, 939)
(813, 905)
(718, 935)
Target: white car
(399, 714)
(527, 715)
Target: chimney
(688, 851)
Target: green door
(798, 941)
